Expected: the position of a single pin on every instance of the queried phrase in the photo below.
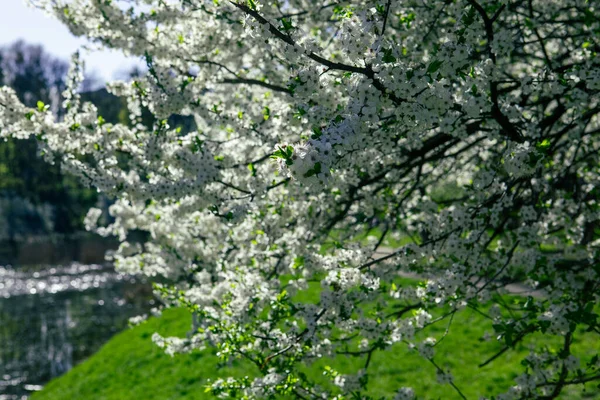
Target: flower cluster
(461, 136)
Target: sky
(18, 21)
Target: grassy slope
(131, 367)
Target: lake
(52, 318)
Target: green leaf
(469, 17)
(544, 145)
(529, 23)
(407, 19)
(544, 325)
(197, 145)
(317, 133)
(252, 169)
(287, 24)
(285, 153)
(589, 18)
(530, 304)
(298, 262)
(282, 295)
(298, 114)
(508, 336)
(41, 106)
(316, 169)
(434, 66)
(387, 56)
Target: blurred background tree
(59, 201)
(35, 197)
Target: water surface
(52, 318)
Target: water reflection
(53, 318)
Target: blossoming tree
(465, 130)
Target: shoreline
(56, 249)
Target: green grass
(130, 366)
